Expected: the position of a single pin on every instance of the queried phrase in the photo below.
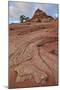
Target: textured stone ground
(33, 54)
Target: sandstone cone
(40, 16)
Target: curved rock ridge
(33, 54)
(28, 71)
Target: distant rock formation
(40, 16)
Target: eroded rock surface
(33, 53)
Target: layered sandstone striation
(33, 52)
(40, 16)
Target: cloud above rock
(17, 8)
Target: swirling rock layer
(33, 54)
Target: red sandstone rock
(33, 53)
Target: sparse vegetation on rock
(23, 18)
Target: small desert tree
(22, 18)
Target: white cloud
(22, 7)
(17, 8)
(12, 12)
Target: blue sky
(17, 8)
